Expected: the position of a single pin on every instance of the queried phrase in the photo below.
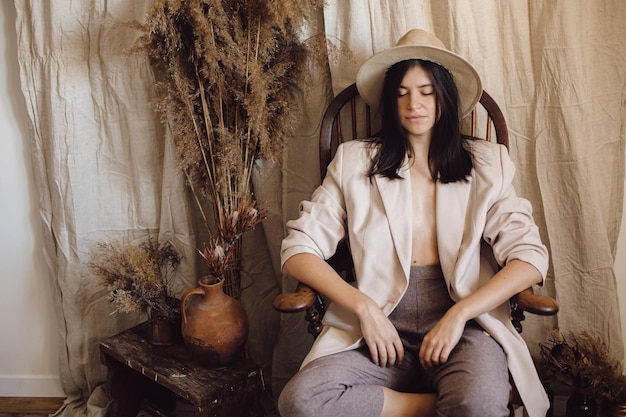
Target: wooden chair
(360, 123)
(348, 104)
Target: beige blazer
(483, 213)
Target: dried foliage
(137, 276)
(218, 252)
(228, 75)
(605, 375)
(583, 361)
(563, 360)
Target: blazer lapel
(396, 199)
(452, 201)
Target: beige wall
(28, 335)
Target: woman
(426, 328)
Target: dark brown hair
(449, 159)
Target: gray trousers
(474, 382)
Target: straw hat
(419, 44)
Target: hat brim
(369, 79)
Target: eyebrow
(419, 86)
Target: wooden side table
(158, 379)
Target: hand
(381, 337)
(441, 339)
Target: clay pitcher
(214, 325)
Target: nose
(415, 101)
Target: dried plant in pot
(583, 363)
(605, 375)
(228, 76)
(215, 325)
(564, 362)
(138, 278)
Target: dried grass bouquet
(228, 74)
(606, 375)
(583, 361)
(137, 276)
(563, 360)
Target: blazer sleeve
(510, 227)
(321, 224)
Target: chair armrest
(533, 303)
(292, 302)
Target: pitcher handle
(183, 299)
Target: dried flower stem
(217, 253)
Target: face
(417, 105)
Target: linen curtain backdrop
(105, 166)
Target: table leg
(123, 386)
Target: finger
(435, 358)
(423, 355)
(440, 355)
(382, 356)
(428, 355)
(391, 356)
(399, 348)
(444, 355)
(373, 352)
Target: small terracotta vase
(214, 325)
(164, 328)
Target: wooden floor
(43, 407)
(29, 407)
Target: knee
(476, 381)
(491, 407)
(475, 401)
(293, 401)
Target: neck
(421, 146)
